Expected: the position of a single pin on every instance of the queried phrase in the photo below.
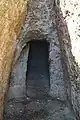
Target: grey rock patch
(18, 77)
(49, 110)
(18, 91)
(39, 110)
(14, 111)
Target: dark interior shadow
(37, 76)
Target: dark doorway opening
(37, 77)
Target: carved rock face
(40, 23)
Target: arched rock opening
(40, 24)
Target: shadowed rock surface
(34, 102)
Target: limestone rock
(11, 17)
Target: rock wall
(40, 23)
(11, 17)
(69, 42)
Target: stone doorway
(40, 23)
(38, 81)
(29, 95)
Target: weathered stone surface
(39, 110)
(70, 65)
(40, 25)
(18, 77)
(11, 18)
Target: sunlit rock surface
(11, 18)
(67, 17)
(71, 13)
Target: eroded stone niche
(41, 24)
